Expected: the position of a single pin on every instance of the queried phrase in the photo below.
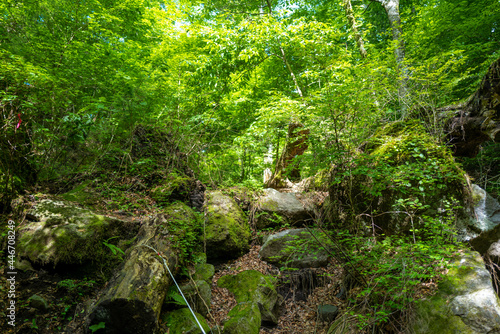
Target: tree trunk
(133, 298)
(296, 145)
(349, 13)
(392, 9)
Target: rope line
(178, 288)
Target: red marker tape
(20, 121)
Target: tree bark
(133, 298)
(349, 13)
(296, 145)
(392, 9)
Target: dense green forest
(226, 78)
(132, 105)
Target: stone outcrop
(464, 303)
(295, 248)
(244, 318)
(227, 231)
(182, 321)
(198, 295)
(58, 232)
(275, 209)
(253, 286)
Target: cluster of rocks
(61, 233)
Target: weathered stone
(182, 322)
(204, 271)
(465, 301)
(244, 318)
(251, 285)
(295, 248)
(486, 221)
(198, 295)
(227, 231)
(389, 183)
(275, 208)
(38, 302)
(327, 312)
(64, 233)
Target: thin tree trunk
(292, 147)
(392, 9)
(349, 13)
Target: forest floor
(67, 290)
(298, 310)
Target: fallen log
(132, 300)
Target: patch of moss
(175, 187)
(401, 165)
(182, 321)
(226, 227)
(68, 234)
(80, 194)
(244, 318)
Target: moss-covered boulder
(175, 187)
(199, 296)
(182, 322)
(251, 285)
(275, 209)
(227, 232)
(204, 271)
(402, 176)
(465, 301)
(61, 232)
(296, 248)
(244, 318)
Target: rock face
(251, 285)
(61, 232)
(227, 232)
(295, 249)
(244, 318)
(487, 212)
(486, 208)
(276, 209)
(204, 271)
(479, 119)
(465, 301)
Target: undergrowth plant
(397, 267)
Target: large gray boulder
(296, 248)
(227, 232)
(276, 209)
(61, 232)
(465, 301)
(251, 285)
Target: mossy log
(131, 303)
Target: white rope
(166, 266)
